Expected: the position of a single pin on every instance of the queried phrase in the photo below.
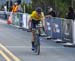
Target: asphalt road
(18, 42)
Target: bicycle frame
(37, 40)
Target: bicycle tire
(37, 45)
(38, 50)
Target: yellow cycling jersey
(36, 16)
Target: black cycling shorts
(34, 23)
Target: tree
(60, 6)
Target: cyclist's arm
(30, 18)
(43, 20)
(29, 22)
(49, 16)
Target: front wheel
(37, 50)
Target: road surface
(16, 44)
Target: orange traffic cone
(9, 21)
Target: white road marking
(10, 53)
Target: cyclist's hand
(48, 16)
(44, 27)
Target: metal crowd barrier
(69, 32)
(25, 20)
(67, 28)
(4, 15)
(61, 29)
(54, 27)
(20, 19)
(16, 18)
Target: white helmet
(50, 9)
(15, 3)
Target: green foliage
(60, 6)
(28, 7)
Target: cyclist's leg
(33, 26)
(33, 39)
(39, 27)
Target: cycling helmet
(39, 10)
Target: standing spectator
(51, 13)
(20, 8)
(5, 11)
(70, 14)
(20, 15)
(15, 8)
(5, 8)
(14, 11)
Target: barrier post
(20, 23)
(24, 18)
(74, 33)
(71, 35)
(57, 29)
(48, 27)
(25, 21)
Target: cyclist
(36, 17)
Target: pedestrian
(70, 14)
